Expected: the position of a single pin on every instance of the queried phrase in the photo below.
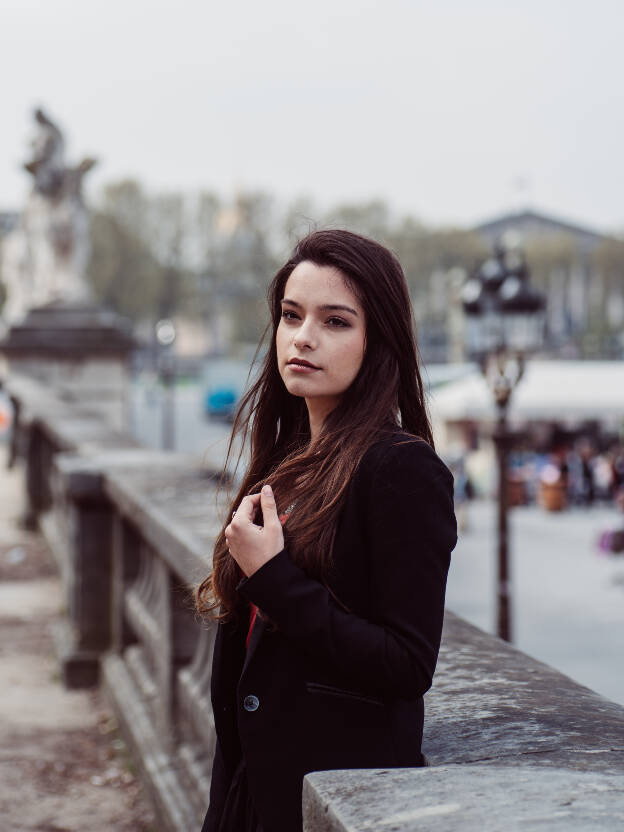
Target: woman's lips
(302, 368)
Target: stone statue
(48, 162)
(45, 257)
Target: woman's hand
(252, 546)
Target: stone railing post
(157, 675)
(85, 523)
(125, 568)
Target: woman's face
(321, 336)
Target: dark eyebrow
(328, 307)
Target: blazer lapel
(256, 635)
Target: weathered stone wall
(511, 742)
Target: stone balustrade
(511, 742)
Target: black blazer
(331, 689)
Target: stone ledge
(83, 476)
(513, 743)
(173, 509)
(491, 702)
(80, 428)
(474, 798)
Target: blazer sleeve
(410, 523)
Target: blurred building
(531, 226)
(582, 273)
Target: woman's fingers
(246, 511)
(244, 515)
(251, 545)
(248, 508)
(269, 509)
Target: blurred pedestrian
(616, 456)
(587, 472)
(463, 493)
(603, 478)
(330, 582)
(581, 473)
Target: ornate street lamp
(504, 323)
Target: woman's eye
(337, 322)
(288, 315)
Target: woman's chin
(298, 387)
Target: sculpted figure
(48, 162)
(45, 257)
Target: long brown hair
(386, 393)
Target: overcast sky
(452, 110)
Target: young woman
(330, 573)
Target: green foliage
(137, 264)
(300, 218)
(372, 219)
(123, 272)
(250, 318)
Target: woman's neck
(319, 409)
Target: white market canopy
(563, 391)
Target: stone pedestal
(78, 351)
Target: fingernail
(267, 490)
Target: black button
(251, 703)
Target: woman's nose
(304, 337)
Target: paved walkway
(63, 765)
(567, 597)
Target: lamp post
(165, 335)
(504, 323)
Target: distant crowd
(579, 474)
(583, 475)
